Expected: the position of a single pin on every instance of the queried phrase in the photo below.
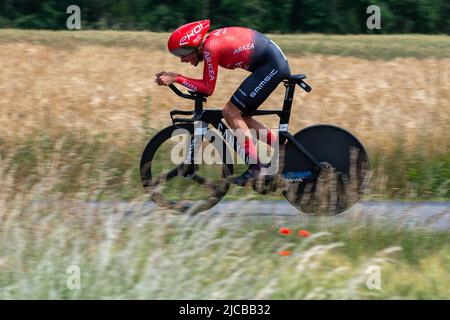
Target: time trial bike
(322, 169)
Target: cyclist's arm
(208, 83)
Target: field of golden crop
(109, 89)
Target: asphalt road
(430, 215)
(434, 215)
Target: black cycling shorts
(272, 68)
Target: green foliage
(276, 16)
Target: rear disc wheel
(343, 176)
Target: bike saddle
(296, 77)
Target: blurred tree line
(278, 16)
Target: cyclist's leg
(262, 132)
(233, 116)
(257, 87)
(249, 96)
(255, 90)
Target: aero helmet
(187, 38)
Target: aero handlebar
(192, 94)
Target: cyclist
(232, 47)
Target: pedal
(187, 171)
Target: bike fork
(200, 129)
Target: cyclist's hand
(157, 80)
(165, 78)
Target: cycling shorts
(272, 68)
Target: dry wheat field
(110, 89)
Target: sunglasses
(183, 52)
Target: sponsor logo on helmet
(245, 47)
(197, 39)
(263, 83)
(211, 73)
(195, 31)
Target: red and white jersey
(230, 48)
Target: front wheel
(171, 183)
(343, 174)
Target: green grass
(159, 255)
(378, 47)
(84, 163)
(412, 174)
(383, 47)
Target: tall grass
(85, 162)
(133, 250)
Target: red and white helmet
(187, 38)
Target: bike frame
(203, 117)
